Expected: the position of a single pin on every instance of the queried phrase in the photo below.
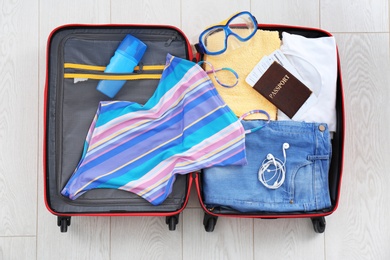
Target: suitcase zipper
(119, 36)
(170, 40)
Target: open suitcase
(76, 56)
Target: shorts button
(321, 128)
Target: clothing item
(287, 170)
(243, 98)
(185, 126)
(315, 59)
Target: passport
(282, 89)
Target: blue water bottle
(126, 57)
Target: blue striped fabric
(185, 126)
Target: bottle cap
(132, 48)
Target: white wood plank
(57, 12)
(355, 15)
(232, 238)
(297, 12)
(146, 12)
(198, 15)
(145, 238)
(20, 248)
(87, 238)
(18, 117)
(360, 228)
(287, 239)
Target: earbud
(275, 165)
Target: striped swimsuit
(185, 126)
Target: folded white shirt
(315, 59)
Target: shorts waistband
(292, 127)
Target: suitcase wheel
(63, 223)
(209, 222)
(319, 224)
(172, 221)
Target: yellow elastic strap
(102, 68)
(150, 67)
(111, 77)
(83, 67)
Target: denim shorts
(307, 160)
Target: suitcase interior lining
(72, 106)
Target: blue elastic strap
(253, 112)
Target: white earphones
(279, 169)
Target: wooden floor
(359, 229)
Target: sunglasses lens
(243, 26)
(214, 39)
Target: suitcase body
(76, 56)
(336, 163)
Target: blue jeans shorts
(304, 163)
